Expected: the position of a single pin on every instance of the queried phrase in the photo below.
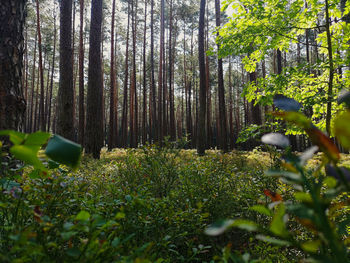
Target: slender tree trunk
(153, 87)
(125, 93)
(52, 72)
(331, 70)
(112, 102)
(41, 70)
(81, 128)
(31, 124)
(221, 90)
(230, 86)
(201, 134)
(133, 80)
(171, 93)
(160, 76)
(94, 121)
(144, 112)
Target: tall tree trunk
(207, 73)
(12, 103)
(221, 89)
(94, 120)
(171, 92)
(201, 134)
(154, 130)
(112, 101)
(125, 93)
(331, 70)
(65, 118)
(230, 86)
(81, 127)
(133, 78)
(30, 122)
(41, 70)
(256, 112)
(144, 112)
(160, 75)
(52, 72)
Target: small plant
(321, 201)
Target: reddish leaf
(324, 143)
(273, 195)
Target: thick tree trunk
(94, 120)
(65, 116)
(12, 103)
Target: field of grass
(144, 205)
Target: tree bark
(221, 90)
(81, 124)
(144, 112)
(94, 120)
(160, 76)
(201, 134)
(112, 101)
(65, 116)
(125, 93)
(12, 103)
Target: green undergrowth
(145, 205)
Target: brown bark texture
(12, 103)
(65, 116)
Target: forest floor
(144, 205)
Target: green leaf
(261, 209)
(64, 151)
(301, 211)
(38, 138)
(296, 118)
(67, 235)
(277, 225)
(218, 227)
(303, 197)
(82, 216)
(245, 224)
(272, 240)
(294, 177)
(311, 246)
(115, 242)
(73, 252)
(28, 154)
(342, 128)
(15, 136)
(276, 139)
